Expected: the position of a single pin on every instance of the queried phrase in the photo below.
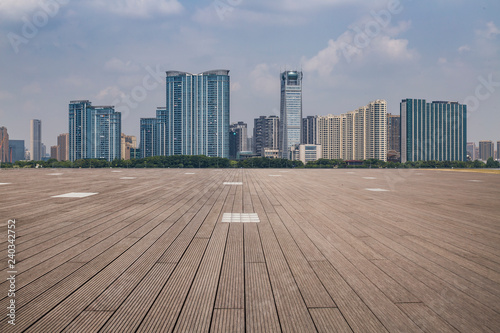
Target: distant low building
(486, 149)
(53, 152)
(306, 153)
(128, 142)
(16, 150)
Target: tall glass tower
(196, 118)
(433, 131)
(290, 111)
(94, 131)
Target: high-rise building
(310, 130)
(94, 131)
(498, 150)
(358, 135)
(290, 131)
(128, 142)
(393, 134)
(16, 150)
(36, 140)
(471, 151)
(63, 147)
(238, 138)
(4, 145)
(54, 152)
(486, 149)
(433, 131)
(265, 134)
(197, 113)
(43, 154)
(149, 137)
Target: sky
(116, 52)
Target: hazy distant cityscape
(196, 121)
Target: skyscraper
(128, 142)
(149, 137)
(4, 145)
(433, 131)
(498, 150)
(63, 147)
(36, 140)
(486, 149)
(265, 134)
(54, 152)
(290, 111)
(471, 150)
(197, 114)
(237, 138)
(359, 134)
(16, 150)
(94, 131)
(310, 130)
(393, 133)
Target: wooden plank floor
(355, 250)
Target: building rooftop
(157, 250)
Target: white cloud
(355, 46)
(235, 86)
(263, 81)
(140, 8)
(116, 65)
(490, 32)
(16, 9)
(463, 49)
(109, 93)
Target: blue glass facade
(290, 111)
(433, 131)
(149, 142)
(94, 131)
(196, 120)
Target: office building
(44, 154)
(36, 140)
(128, 142)
(238, 138)
(16, 150)
(356, 135)
(4, 145)
(54, 152)
(94, 131)
(306, 153)
(393, 137)
(265, 134)
(486, 150)
(197, 114)
(290, 131)
(471, 151)
(498, 150)
(135, 153)
(63, 147)
(310, 130)
(149, 137)
(433, 131)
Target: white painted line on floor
(240, 217)
(74, 195)
(284, 171)
(5, 183)
(190, 173)
(128, 178)
(376, 189)
(54, 174)
(116, 171)
(232, 183)
(275, 175)
(369, 178)
(475, 180)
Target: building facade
(16, 150)
(149, 145)
(471, 151)
(498, 150)
(197, 114)
(290, 133)
(94, 131)
(53, 152)
(433, 131)
(486, 150)
(306, 153)
(128, 142)
(238, 138)
(4, 145)
(36, 140)
(63, 147)
(356, 135)
(265, 134)
(393, 135)
(310, 130)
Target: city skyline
(403, 57)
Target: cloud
(442, 61)
(235, 86)
(116, 65)
(263, 81)
(140, 9)
(358, 45)
(15, 9)
(463, 49)
(490, 32)
(109, 93)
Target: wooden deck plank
(88, 321)
(329, 320)
(228, 321)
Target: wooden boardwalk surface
(334, 251)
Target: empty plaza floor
(246, 250)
